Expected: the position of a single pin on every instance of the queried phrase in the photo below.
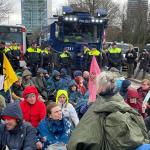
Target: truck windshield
(81, 32)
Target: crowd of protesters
(49, 105)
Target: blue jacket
(64, 75)
(55, 131)
(74, 96)
(54, 85)
(23, 137)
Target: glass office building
(34, 14)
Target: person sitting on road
(15, 133)
(54, 83)
(74, 95)
(55, 128)
(67, 108)
(40, 83)
(124, 88)
(133, 100)
(109, 123)
(32, 107)
(27, 78)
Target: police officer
(33, 58)
(15, 55)
(47, 58)
(115, 57)
(65, 60)
(94, 52)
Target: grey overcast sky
(15, 15)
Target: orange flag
(94, 72)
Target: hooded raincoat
(32, 113)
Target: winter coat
(133, 94)
(54, 85)
(89, 134)
(124, 88)
(54, 131)
(142, 94)
(2, 103)
(40, 84)
(67, 108)
(79, 80)
(130, 56)
(144, 60)
(115, 57)
(74, 96)
(25, 82)
(17, 91)
(23, 137)
(32, 113)
(65, 76)
(33, 56)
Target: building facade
(35, 14)
(137, 10)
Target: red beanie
(8, 118)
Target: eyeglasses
(30, 95)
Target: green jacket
(89, 134)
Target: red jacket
(32, 113)
(133, 94)
(79, 80)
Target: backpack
(125, 130)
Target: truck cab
(73, 29)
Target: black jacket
(131, 56)
(23, 137)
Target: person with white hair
(109, 123)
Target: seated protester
(110, 123)
(68, 110)
(27, 78)
(14, 133)
(32, 107)
(17, 89)
(86, 75)
(74, 95)
(77, 73)
(2, 103)
(46, 75)
(133, 100)
(6, 95)
(65, 76)
(55, 128)
(81, 88)
(40, 83)
(124, 88)
(143, 89)
(55, 83)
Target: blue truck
(74, 29)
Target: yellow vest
(45, 51)
(63, 55)
(14, 47)
(86, 50)
(94, 52)
(32, 50)
(7, 50)
(115, 51)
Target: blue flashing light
(67, 9)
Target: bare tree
(5, 9)
(92, 5)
